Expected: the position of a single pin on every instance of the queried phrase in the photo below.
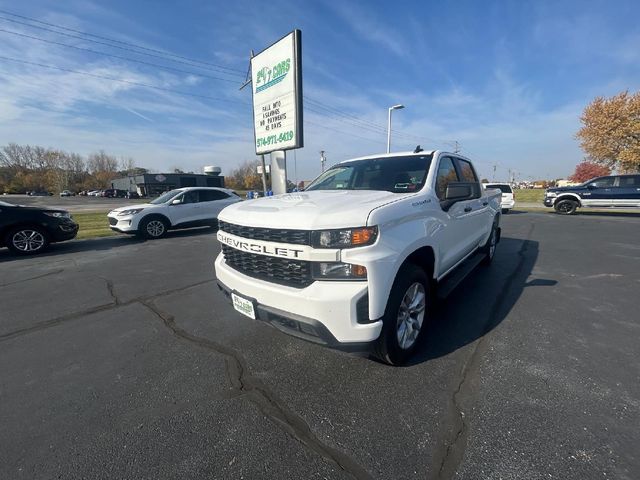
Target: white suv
(508, 201)
(180, 208)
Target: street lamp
(395, 107)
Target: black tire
(566, 207)
(388, 348)
(489, 248)
(505, 211)
(27, 240)
(153, 227)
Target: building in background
(153, 184)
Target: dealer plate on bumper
(243, 306)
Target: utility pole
(323, 160)
(493, 179)
(457, 147)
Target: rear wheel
(153, 227)
(566, 207)
(406, 313)
(27, 240)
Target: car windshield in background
(165, 197)
(502, 188)
(392, 174)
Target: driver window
(446, 175)
(603, 182)
(190, 197)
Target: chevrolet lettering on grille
(260, 248)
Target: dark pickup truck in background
(614, 191)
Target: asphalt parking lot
(75, 204)
(120, 359)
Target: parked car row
(110, 193)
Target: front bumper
(127, 224)
(549, 201)
(325, 312)
(65, 231)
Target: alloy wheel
(492, 243)
(155, 228)
(411, 315)
(28, 240)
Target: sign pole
(264, 176)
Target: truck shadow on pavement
(101, 244)
(482, 301)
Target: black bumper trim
(298, 326)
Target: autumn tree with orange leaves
(610, 133)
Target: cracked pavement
(122, 360)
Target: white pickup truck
(357, 259)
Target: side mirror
(459, 191)
(592, 186)
(176, 201)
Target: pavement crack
(469, 374)
(262, 397)
(116, 302)
(36, 277)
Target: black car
(29, 230)
(601, 192)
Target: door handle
(468, 209)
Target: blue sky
(506, 79)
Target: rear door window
(630, 181)
(212, 195)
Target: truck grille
(278, 235)
(284, 271)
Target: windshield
(5, 204)
(392, 174)
(165, 197)
(503, 188)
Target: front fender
(384, 259)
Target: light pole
(395, 107)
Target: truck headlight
(344, 237)
(550, 194)
(338, 271)
(131, 211)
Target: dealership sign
(276, 77)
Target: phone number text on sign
(274, 139)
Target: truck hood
(321, 209)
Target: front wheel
(566, 207)
(490, 247)
(407, 311)
(153, 227)
(27, 240)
